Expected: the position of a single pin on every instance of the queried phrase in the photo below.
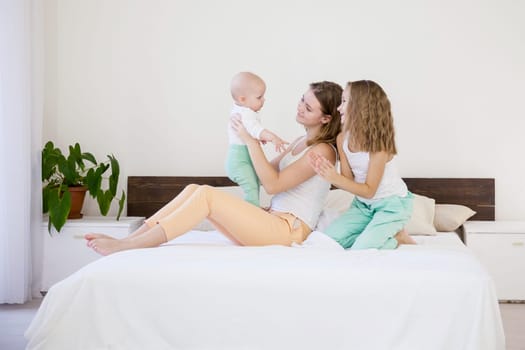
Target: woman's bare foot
(90, 236)
(106, 245)
(403, 237)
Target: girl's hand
(237, 125)
(323, 167)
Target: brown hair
(369, 118)
(329, 96)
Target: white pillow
(206, 225)
(449, 217)
(337, 202)
(422, 220)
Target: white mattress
(202, 292)
(214, 238)
(442, 239)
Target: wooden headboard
(147, 194)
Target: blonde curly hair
(369, 118)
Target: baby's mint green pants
(374, 225)
(239, 169)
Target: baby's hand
(279, 143)
(268, 136)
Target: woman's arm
(275, 181)
(300, 170)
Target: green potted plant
(62, 175)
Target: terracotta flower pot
(77, 201)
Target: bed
(201, 291)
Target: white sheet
(202, 292)
(443, 239)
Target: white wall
(148, 80)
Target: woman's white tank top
(306, 200)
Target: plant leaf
(115, 172)
(59, 206)
(121, 203)
(89, 157)
(68, 168)
(50, 158)
(75, 156)
(93, 182)
(104, 199)
(93, 179)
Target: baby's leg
(249, 182)
(239, 168)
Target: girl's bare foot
(403, 237)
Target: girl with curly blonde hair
(382, 204)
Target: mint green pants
(374, 225)
(239, 169)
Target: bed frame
(147, 194)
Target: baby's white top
(251, 121)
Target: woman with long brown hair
(299, 192)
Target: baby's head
(248, 90)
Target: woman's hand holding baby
(238, 126)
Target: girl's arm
(275, 181)
(376, 168)
(345, 166)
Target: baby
(248, 90)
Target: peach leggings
(237, 219)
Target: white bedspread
(202, 292)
